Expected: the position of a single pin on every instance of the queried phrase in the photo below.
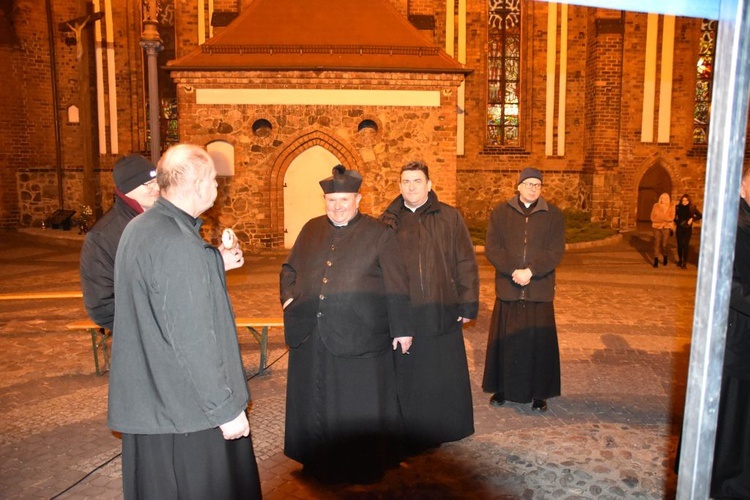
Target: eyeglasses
(532, 185)
(152, 184)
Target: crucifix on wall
(77, 26)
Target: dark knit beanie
(131, 171)
(529, 173)
(342, 181)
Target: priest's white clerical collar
(418, 206)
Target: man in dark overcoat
(730, 477)
(344, 290)
(177, 390)
(136, 190)
(525, 242)
(433, 381)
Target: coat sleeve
(97, 269)
(188, 323)
(548, 258)
(739, 298)
(396, 283)
(495, 249)
(467, 271)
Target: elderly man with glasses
(525, 242)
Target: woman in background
(662, 222)
(685, 214)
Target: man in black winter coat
(525, 242)
(135, 191)
(433, 381)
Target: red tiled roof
(367, 35)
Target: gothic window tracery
(503, 72)
(703, 81)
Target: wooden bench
(100, 336)
(40, 295)
(252, 325)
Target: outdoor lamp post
(151, 41)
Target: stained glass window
(503, 72)
(703, 82)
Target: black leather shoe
(497, 399)
(665, 260)
(656, 262)
(539, 405)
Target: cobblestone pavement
(624, 330)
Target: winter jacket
(97, 263)
(517, 241)
(442, 267)
(176, 365)
(683, 213)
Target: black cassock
(350, 294)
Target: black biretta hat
(342, 181)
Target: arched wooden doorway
(303, 198)
(655, 181)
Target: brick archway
(651, 180)
(305, 141)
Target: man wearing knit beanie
(525, 242)
(135, 191)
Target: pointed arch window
(704, 81)
(503, 73)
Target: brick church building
(612, 106)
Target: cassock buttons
(329, 263)
(333, 247)
(320, 314)
(322, 297)
(325, 280)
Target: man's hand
(405, 344)
(522, 277)
(233, 258)
(237, 428)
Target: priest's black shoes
(497, 399)
(539, 405)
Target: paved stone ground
(624, 331)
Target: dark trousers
(199, 465)
(683, 243)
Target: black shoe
(679, 263)
(665, 260)
(497, 399)
(656, 261)
(539, 405)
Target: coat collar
(541, 205)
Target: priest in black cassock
(344, 290)
(525, 243)
(433, 381)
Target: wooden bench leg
(99, 337)
(262, 339)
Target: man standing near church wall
(345, 295)
(433, 381)
(525, 242)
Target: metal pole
(151, 41)
(725, 156)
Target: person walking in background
(345, 294)
(177, 389)
(135, 191)
(662, 223)
(433, 381)
(685, 215)
(525, 242)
